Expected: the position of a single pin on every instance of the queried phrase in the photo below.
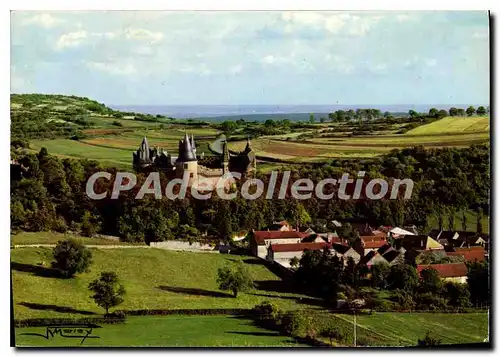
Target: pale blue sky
(147, 57)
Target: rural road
(103, 246)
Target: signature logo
(80, 331)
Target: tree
(380, 274)
(458, 295)
(108, 292)
(404, 277)
(429, 340)
(441, 114)
(460, 112)
(412, 113)
(433, 112)
(430, 282)
(312, 119)
(470, 111)
(453, 111)
(294, 262)
(478, 282)
(481, 110)
(235, 279)
(71, 257)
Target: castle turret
(186, 161)
(193, 145)
(225, 157)
(248, 148)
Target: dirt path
(100, 246)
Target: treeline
(48, 193)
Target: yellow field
(454, 125)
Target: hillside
(448, 125)
(154, 279)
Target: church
(214, 166)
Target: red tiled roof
(452, 270)
(469, 254)
(261, 236)
(375, 237)
(298, 247)
(374, 244)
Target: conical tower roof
(248, 148)
(225, 152)
(185, 150)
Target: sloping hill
(447, 125)
(37, 116)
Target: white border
(192, 5)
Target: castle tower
(225, 158)
(186, 161)
(193, 145)
(248, 148)
(142, 157)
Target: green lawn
(153, 278)
(53, 237)
(169, 331)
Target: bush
(429, 340)
(268, 314)
(71, 257)
(430, 301)
(117, 123)
(294, 323)
(333, 333)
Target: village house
(283, 253)
(280, 226)
(345, 252)
(454, 272)
(469, 254)
(418, 242)
(260, 240)
(384, 255)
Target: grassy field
(404, 329)
(454, 125)
(379, 329)
(169, 331)
(53, 237)
(115, 147)
(153, 278)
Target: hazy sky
(147, 57)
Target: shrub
(429, 340)
(294, 323)
(71, 257)
(430, 301)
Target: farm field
(454, 125)
(323, 148)
(379, 329)
(154, 279)
(116, 149)
(404, 329)
(169, 331)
